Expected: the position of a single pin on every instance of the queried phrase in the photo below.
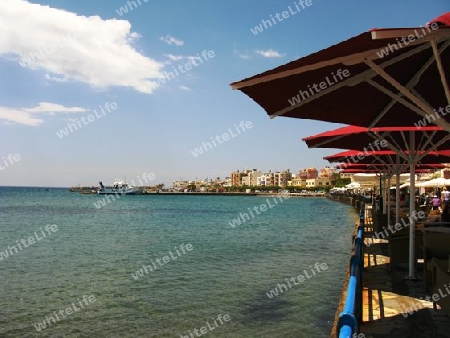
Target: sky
(143, 88)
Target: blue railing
(351, 316)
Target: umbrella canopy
(353, 185)
(402, 71)
(395, 138)
(437, 182)
(383, 167)
(391, 157)
(375, 170)
(385, 157)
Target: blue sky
(90, 57)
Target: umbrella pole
(381, 196)
(389, 200)
(412, 206)
(397, 189)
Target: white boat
(118, 187)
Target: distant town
(306, 179)
(309, 179)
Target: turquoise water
(228, 271)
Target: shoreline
(219, 194)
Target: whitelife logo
(64, 313)
(11, 159)
(317, 88)
(243, 126)
(194, 61)
(71, 127)
(406, 40)
(33, 57)
(166, 259)
(430, 118)
(258, 209)
(50, 228)
(319, 267)
(280, 17)
(204, 329)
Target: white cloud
(170, 40)
(75, 47)
(185, 88)
(244, 56)
(47, 107)
(27, 116)
(270, 53)
(55, 78)
(172, 57)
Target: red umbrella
(391, 158)
(385, 157)
(396, 138)
(384, 77)
(376, 171)
(381, 166)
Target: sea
(71, 267)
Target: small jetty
(84, 190)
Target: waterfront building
(308, 173)
(267, 179)
(318, 182)
(282, 178)
(298, 182)
(180, 185)
(253, 177)
(236, 178)
(326, 172)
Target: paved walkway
(386, 295)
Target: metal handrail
(351, 316)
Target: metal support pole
(397, 189)
(412, 207)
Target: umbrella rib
(419, 103)
(396, 148)
(367, 74)
(405, 91)
(426, 140)
(437, 55)
(410, 85)
(404, 140)
(311, 98)
(318, 145)
(345, 60)
(426, 152)
(383, 137)
(407, 104)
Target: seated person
(436, 202)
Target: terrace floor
(386, 295)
